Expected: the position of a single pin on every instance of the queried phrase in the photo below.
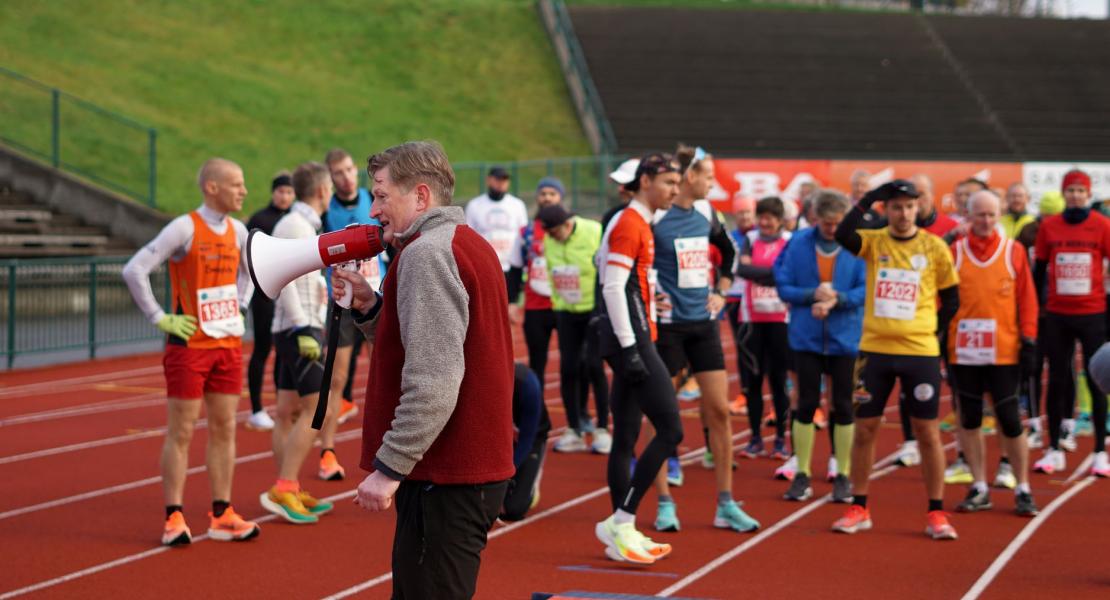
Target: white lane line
(772, 530)
(1081, 469)
(1022, 537)
(88, 409)
(53, 385)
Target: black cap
(552, 216)
(280, 181)
(902, 188)
(499, 173)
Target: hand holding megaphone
(274, 262)
(348, 285)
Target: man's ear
(423, 196)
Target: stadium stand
(29, 229)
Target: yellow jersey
(903, 278)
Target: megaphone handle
(348, 292)
(329, 361)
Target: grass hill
(273, 83)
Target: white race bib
(537, 277)
(976, 341)
(568, 283)
(766, 300)
(502, 242)
(693, 262)
(896, 293)
(1073, 273)
(218, 312)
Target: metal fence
(78, 136)
(586, 178)
(60, 304)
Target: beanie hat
(1076, 177)
(1052, 203)
(553, 183)
(281, 180)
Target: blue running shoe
(754, 449)
(674, 472)
(730, 516)
(666, 519)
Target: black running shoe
(975, 501)
(842, 489)
(1024, 505)
(799, 490)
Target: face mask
(495, 195)
(1076, 214)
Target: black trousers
(262, 315)
(1058, 338)
(441, 532)
(538, 326)
(578, 367)
(767, 344)
(811, 367)
(525, 482)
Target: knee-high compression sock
(843, 453)
(803, 435)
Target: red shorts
(191, 372)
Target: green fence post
(92, 309)
(11, 314)
(550, 168)
(574, 184)
(153, 180)
(481, 178)
(55, 130)
(602, 167)
(514, 170)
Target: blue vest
(682, 263)
(340, 215)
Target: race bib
(568, 283)
(976, 342)
(537, 277)
(372, 271)
(502, 242)
(653, 282)
(896, 294)
(693, 262)
(218, 312)
(766, 300)
(1073, 273)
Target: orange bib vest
(203, 284)
(985, 330)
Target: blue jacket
(796, 278)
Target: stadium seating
(33, 230)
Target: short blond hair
(412, 163)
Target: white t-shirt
(302, 303)
(499, 222)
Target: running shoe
(666, 517)
(1053, 461)
(731, 516)
(833, 471)
(779, 449)
(958, 473)
(602, 442)
(656, 550)
(287, 505)
(842, 489)
(948, 423)
(989, 425)
(1084, 427)
(689, 391)
(799, 490)
(938, 526)
(230, 527)
(347, 410)
(330, 470)
(260, 421)
(1024, 505)
(622, 542)
(1101, 466)
(1005, 477)
(856, 518)
(975, 501)
(674, 472)
(754, 449)
(788, 470)
(909, 455)
(314, 505)
(570, 441)
(739, 406)
(176, 532)
(707, 461)
(1035, 439)
(820, 421)
(1067, 436)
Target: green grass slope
(273, 83)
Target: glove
(183, 326)
(1027, 358)
(635, 370)
(308, 347)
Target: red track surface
(81, 512)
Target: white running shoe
(260, 421)
(1067, 441)
(1005, 477)
(908, 454)
(1101, 466)
(1053, 461)
(570, 441)
(602, 442)
(788, 469)
(833, 471)
(1035, 439)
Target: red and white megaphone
(274, 262)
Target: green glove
(308, 347)
(183, 326)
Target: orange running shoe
(347, 410)
(330, 470)
(739, 406)
(939, 528)
(176, 532)
(231, 527)
(856, 518)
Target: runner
(689, 333)
(825, 289)
(203, 357)
(909, 273)
(640, 383)
(743, 210)
(1074, 243)
(498, 216)
(530, 428)
(299, 312)
(992, 347)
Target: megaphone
(274, 262)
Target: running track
(81, 512)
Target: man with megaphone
(438, 434)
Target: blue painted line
(632, 571)
(581, 595)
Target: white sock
(979, 487)
(1022, 488)
(621, 517)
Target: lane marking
(88, 409)
(1081, 469)
(633, 571)
(1022, 537)
(54, 384)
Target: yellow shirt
(903, 278)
